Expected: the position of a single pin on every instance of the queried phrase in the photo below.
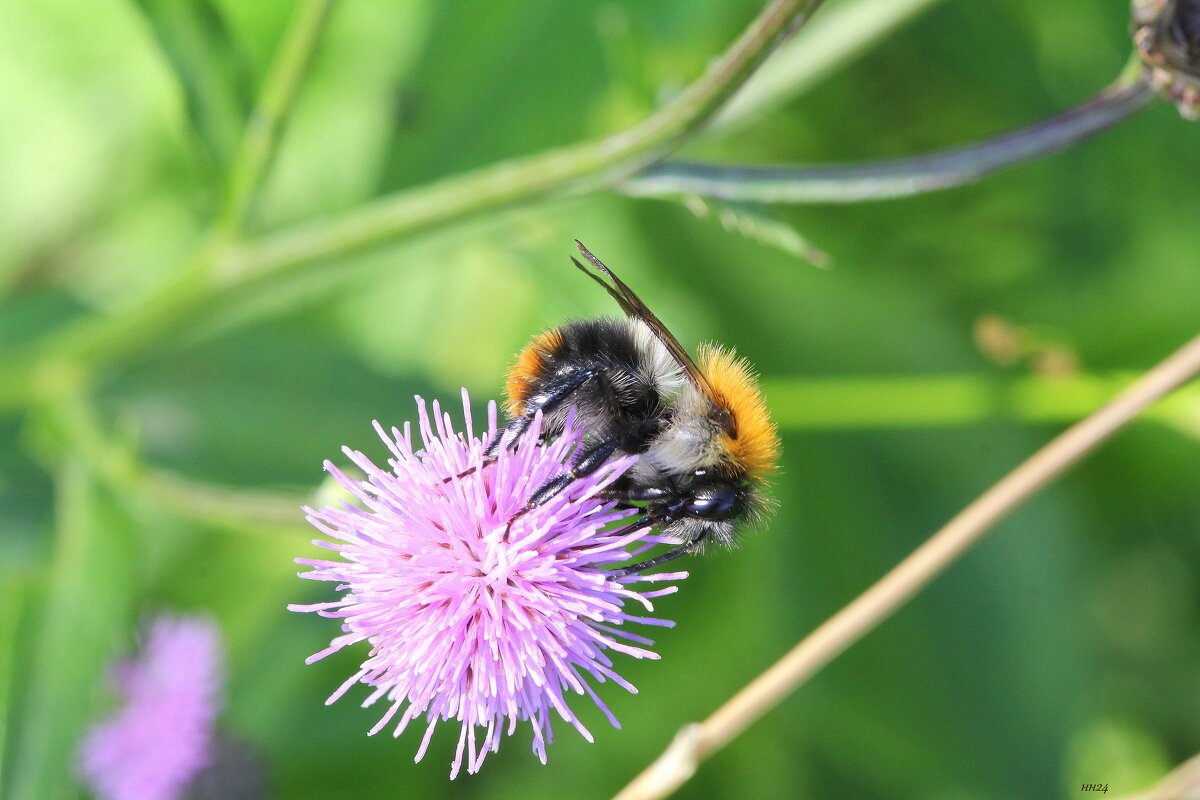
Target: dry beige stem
(1181, 783)
(697, 742)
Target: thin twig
(907, 578)
(880, 180)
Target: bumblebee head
(713, 497)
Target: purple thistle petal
(162, 736)
(468, 620)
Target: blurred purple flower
(464, 622)
(162, 735)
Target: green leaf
(85, 612)
(212, 70)
(758, 223)
(836, 37)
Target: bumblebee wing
(633, 306)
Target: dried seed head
(1166, 34)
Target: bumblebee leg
(590, 461)
(646, 521)
(470, 470)
(641, 494)
(510, 432)
(657, 561)
(553, 394)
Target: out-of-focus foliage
(1064, 650)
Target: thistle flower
(467, 619)
(162, 735)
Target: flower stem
(697, 741)
(880, 180)
(261, 138)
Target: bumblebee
(702, 432)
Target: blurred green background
(1063, 650)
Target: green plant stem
(801, 404)
(218, 273)
(522, 180)
(260, 140)
(870, 402)
(89, 339)
(794, 65)
(75, 428)
(697, 741)
(880, 180)
(75, 424)
(96, 339)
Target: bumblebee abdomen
(629, 374)
(530, 365)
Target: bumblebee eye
(713, 502)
